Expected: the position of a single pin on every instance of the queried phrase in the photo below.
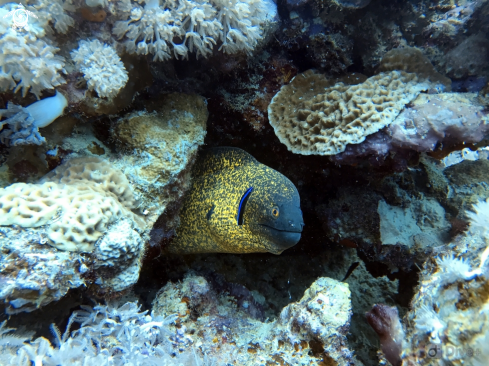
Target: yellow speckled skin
(272, 219)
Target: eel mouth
(282, 231)
(284, 238)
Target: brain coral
(410, 59)
(311, 117)
(314, 115)
(76, 204)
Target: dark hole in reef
(317, 347)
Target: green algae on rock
(237, 205)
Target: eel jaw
(283, 238)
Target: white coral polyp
(479, 219)
(28, 63)
(198, 25)
(104, 71)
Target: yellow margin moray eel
(237, 205)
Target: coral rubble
(311, 330)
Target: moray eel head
(237, 205)
(276, 217)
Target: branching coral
(198, 25)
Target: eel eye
(275, 212)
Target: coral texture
(449, 118)
(27, 62)
(412, 60)
(159, 147)
(179, 27)
(311, 118)
(82, 206)
(54, 12)
(101, 173)
(33, 274)
(122, 335)
(450, 317)
(430, 122)
(310, 331)
(76, 212)
(468, 58)
(103, 69)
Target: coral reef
(98, 196)
(101, 66)
(159, 147)
(199, 26)
(468, 58)
(108, 335)
(27, 62)
(448, 320)
(311, 330)
(324, 121)
(54, 12)
(391, 167)
(446, 118)
(316, 115)
(82, 206)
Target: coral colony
(244, 182)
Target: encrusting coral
(449, 118)
(103, 69)
(157, 149)
(182, 26)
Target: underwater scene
(244, 182)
